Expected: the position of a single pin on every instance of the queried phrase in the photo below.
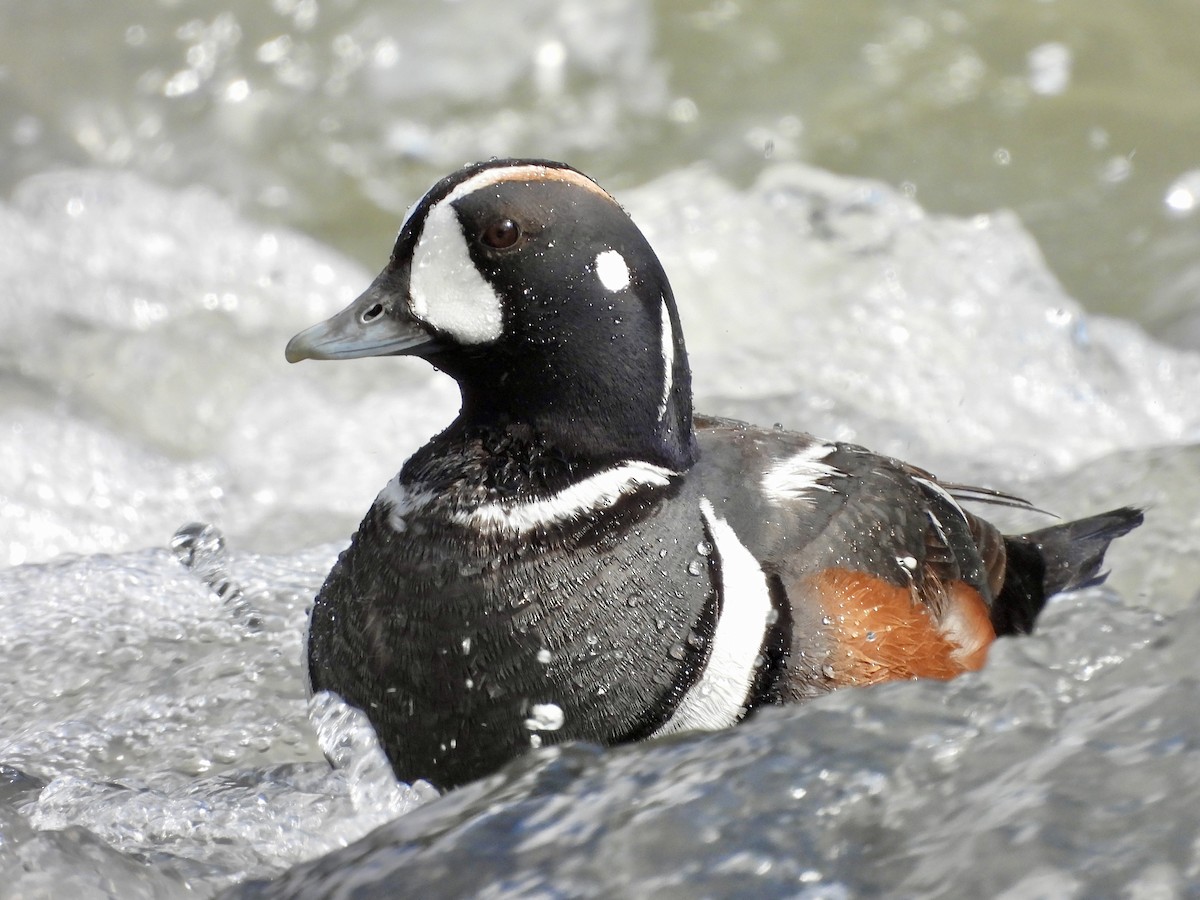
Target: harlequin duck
(575, 557)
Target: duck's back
(885, 574)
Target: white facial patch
(596, 492)
(795, 478)
(612, 270)
(668, 357)
(448, 292)
(717, 700)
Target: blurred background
(333, 115)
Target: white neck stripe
(401, 502)
(718, 698)
(592, 494)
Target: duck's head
(528, 283)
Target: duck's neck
(601, 398)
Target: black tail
(1058, 558)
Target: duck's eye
(501, 234)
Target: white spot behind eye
(612, 270)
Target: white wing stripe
(795, 478)
(718, 698)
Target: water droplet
(660, 624)
(1002, 156)
(466, 646)
(695, 567)
(1183, 196)
(535, 741)
(544, 656)
(1116, 169)
(633, 600)
(1049, 68)
(677, 652)
(826, 620)
(827, 671)
(545, 717)
(704, 548)
(696, 640)
(662, 554)
(200, 547)
(470, 683)
(869, 636)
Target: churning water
(156, 739)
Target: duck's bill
(370, 326)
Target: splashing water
(156, 737)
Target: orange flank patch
(881, 632)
